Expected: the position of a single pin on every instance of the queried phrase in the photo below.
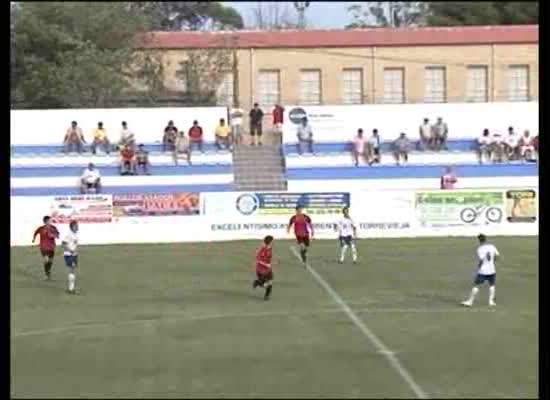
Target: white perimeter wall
(392, 213)
(465, 120)
(49, 126)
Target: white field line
(380, 346)
(184, 317)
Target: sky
(322, 15)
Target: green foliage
(190, 15)
(455, 13)
(70, 54)
(442, 13)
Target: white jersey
(70, 244)
(486, 254)
(345, 227)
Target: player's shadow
(437, 298)
(34, 279)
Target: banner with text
(461, 208)
(84, 209)
(151, 204)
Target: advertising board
(83, 209)
(151, 204)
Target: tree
(190, 15)
(70, 54)
(387, 14)
(455, 13)
(272, 16)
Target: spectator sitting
(448, 179)
(223, 136)
(526, 146)
(195, 136)
(256, 117)
(484, 146)
(440, 132)
(142, 160)
(497, 148)
(305, 136)
(536, 146)
(236, 121)
(169, 138)
(90, 181)
(74, 139)
(401, 148)
(426, 136)
(511, 145)
(101, 139)
(127, 160)
(278, 114)
(359, 147)
(373, 148)
(126, 136)
(182, 148)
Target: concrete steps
(259, 168)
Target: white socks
(344, 249)
(491, 294)
(473, 294)
(72, 280)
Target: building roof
(433, 36)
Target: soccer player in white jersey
(486, 254)
(70, 252)
(347, 232)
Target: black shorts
(71, 261)
(255, 130)
(91, 185)
(376, 151)
(480, 279)
(303, 239)
(264, 277)
(47, 253)
(345, 240)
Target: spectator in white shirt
(527, 146)
(484, 146)
(440, 132)
(497, 147)
(305, 136)
(512, 145)
(426, 137)
(236, 122)
(90, 181)
(373, 148)
(126, 136)
(402, 146)
(359, 147)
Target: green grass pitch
(182, 320)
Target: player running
(264, 271)
(48, 233)
(302, 230)
(347, 233)
(70, 245)
(486, 253)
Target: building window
(269, 87)
(518, 82)
(225, 90)
(394, 86)
(434, 80)
(477, 83)
(310, 87)
(352, 86)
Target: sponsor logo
(247, 204)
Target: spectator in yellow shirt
(101, 139)
(224, 137)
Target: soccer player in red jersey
(264, 271)
(302, 230)
(48, 233)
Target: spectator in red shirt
(278, 113)
(169, 138)
(127, 161)
(448, 179)
(526, 146)
(48, 233)
(264, 270)
(195, 136)
(536, 146)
